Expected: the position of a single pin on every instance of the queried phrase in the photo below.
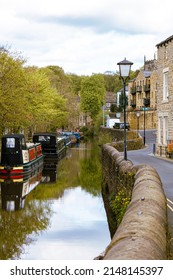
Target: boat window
(10, 205)
(43, 138)
(10, 143)
(23, 143)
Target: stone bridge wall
(142, 234)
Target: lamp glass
(124, 68)
(138, 114)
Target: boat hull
(18, 158)
(23, 170)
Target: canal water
(63, 217)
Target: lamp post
(144, 108)
(137, 115)
(103, 108)
(124, 70)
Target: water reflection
(14, 191)
(49, 174)
(78, 229)
(63, 217)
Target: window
(160, 131)
(108, 105)
(10, 143)
(166, 53)
(43, 138)
(165, 130)
(165, 85)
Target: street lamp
(144, 108)
(124, 70)
(137, 115)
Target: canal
(62, 217)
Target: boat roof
(44, 133)
(13, 135)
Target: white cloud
(89, 234)
(85, 36)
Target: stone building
(110, 99)
(165, 95)
(142, 97)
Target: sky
(85, 36)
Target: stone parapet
(142, 234)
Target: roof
(110, 97)
(165, 41)
(13, 135)
(44, 134)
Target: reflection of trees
(16, 227)
(82, 167)
(91, 174)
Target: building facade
(142, 109)
(165, 95)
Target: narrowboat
(15, 191)
(77, 135)
(19, 158)
(52, 146)
(67, 140)
(74, 136)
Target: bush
(119, 205)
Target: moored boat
(52, 145)
(19, 158)
(74, 136)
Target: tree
(47, 108)
(12, 92)
(92, 94)
(112, 82)
(68, 86)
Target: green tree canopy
(12, 92)
(92, 94)
(47, 108)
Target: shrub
(119, 205)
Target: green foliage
(114, 108)
(47, 98)
(92, 94)
(121, 106)
(68, 86)
(87, 132)
(49, 106)
(119, 205)
(112, 82)
(75, 83)
(27, 98)
(17, 226)
(91, 172)
(12, 92)
(135, 144)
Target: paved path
(164, 168)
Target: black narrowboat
(52, 146)
(19, 158)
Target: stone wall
(107, 135)
(142, 233)
(150, 119)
